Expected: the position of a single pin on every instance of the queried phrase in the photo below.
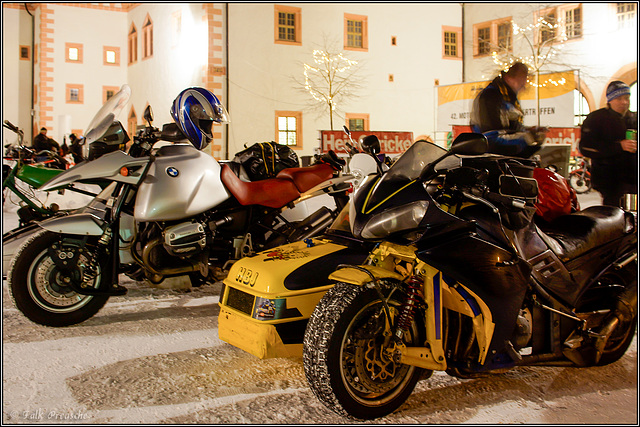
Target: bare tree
(330, 79)
(538, 46)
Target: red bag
(555, 196)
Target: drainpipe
(226, 32)
(33, 64)
(462, 44)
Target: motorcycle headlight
(396, 219)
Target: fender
(83, 224)
(361, 274)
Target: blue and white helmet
(194, 110)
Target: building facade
(61, 61)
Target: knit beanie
(617, 88)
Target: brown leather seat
(308, 177)
(272, 193)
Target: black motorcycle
(463, 280)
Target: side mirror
(148, 114)
(470, 144)
(346, 130)
(371, 144)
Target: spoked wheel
(579, 182)
(345, 361)
(41, 289)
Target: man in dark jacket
(43, 142)
(497, 114)
(614, 157)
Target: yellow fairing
(255, 299)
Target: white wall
(16, 73)
(175, 65)
(601, 52)
(260, 71)
(94, 29)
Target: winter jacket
(601, 134)
(497, 114)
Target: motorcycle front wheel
(579, 182)
(344, 361)
(40, 289)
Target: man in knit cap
(612, 148)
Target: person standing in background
(609, 139)
(497, 114)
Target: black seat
(570, 236)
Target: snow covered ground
(153, 356)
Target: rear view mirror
(148, 114)
(371, 144)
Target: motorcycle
(461, 279)
(580, 175)
(169, 211)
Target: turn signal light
(124, 171)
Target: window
(484, 41)
(547, 26)
(626, 14)
(133, 45)
(25, 52)
(73, 52)
(451, 38)
(288, 25)
(132, 122)
(580, 107)
(492, 35)
(357, 122)
(504, 35)
(74, 93)
(289, 128)
(176, 27)
(559, 23)
(573, 23)
(147, 38)
(111, 55)
(108, 92)
(355, 32)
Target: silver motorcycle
(170, 210)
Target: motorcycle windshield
(106, 115)
(404, 171)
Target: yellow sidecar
(267, 299)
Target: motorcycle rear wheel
(581, 184)
(39, 289)
(343, 361)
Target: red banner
(555, 135)
(390, 142)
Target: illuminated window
(111, 55)
(73, 52)
(492, 35)
(289, 128)
(133, 44)
(288, 25)
(547, 28)
(451, 39)
(355, 32)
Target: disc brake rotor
(52, 285)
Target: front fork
(429, 292)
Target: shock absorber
(408, 309)
(90, 270)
